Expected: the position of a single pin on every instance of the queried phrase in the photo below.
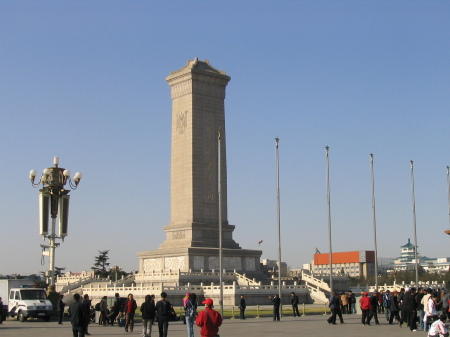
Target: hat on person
(208, 302)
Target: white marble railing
(244, 280)
(316, 282)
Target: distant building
(353, 264)
(272, 265)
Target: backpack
(97, 307)
(191, 311)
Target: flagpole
(278, 216)
(329, 218)
(374, 221)
(414, 222)
(219, 190)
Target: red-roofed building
(356, 264)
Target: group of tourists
(419, 309)
(162, 312)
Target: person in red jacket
(364, 304)
(208, 320)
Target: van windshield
(33, 294)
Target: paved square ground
(313, 325)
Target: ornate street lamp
(54, 199)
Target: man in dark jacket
(86, 313)
(163, 309)
(61, 306)
(116, 308)
(76, 317)
(374, 302)
(409, 307)
(294, 302)
(148, 312)
(276, 307)
(242, 307)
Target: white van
(29, 302)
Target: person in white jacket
(438, 329)
(430, 311)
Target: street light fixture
(53, 197)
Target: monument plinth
(192, 237)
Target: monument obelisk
(192, 237)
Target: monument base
(197, 259)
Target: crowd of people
(419, 309)
(161, 312)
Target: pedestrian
(130, 309)
(438, 328)
(76, 316)
(410, 306)
(116, 308)
(1, 311)
(103, 320)
(364, 304)
(352, 302)
(61, 306)
(209, 320)
(163, 309)
(276, 307)
(374, 301)
(191, 313)
(148, 312)
(387, 304)
(86, 313)
(332, 304)
(185, 299)
(294, 303)
(242, 307)
(344, 303)
(395, 309)
(431, 314)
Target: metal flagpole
(219, 190)
(414, 222)
(278, 218)
(374, 221)
(329, 219)
(448, 189)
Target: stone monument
(192, 237)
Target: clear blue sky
(85, 81)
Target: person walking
(163, 309)
(374, 302)
(344, 303)
(364, 304)
(276, 307)
(352, 302)
(209, 320)
(103, 312)
(148, 312)
(294, 303)
(86, 313)
(394, 309)
(76, 316)
(130, 309)
(116, 308)
(61, 306)
(191, 313)
(333, 303)
(387, 304)
(242, 307)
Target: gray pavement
(312, 325)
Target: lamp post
(277, 140)
(327, 148)
(54, 199)
(374, 221)
(414, 222)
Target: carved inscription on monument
(250, 263)
(178, 235)
(209, 187)
(199, 262)
(181, 122)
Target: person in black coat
(61, 306)
(86, 313)
(276, 307)
(395, 309)
(373, 308)
(242, 307)
(116, 309)
(148, 312)
(76, 317)
(409, 306)
(294, 302)
(163, 308)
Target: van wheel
(21, 317)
